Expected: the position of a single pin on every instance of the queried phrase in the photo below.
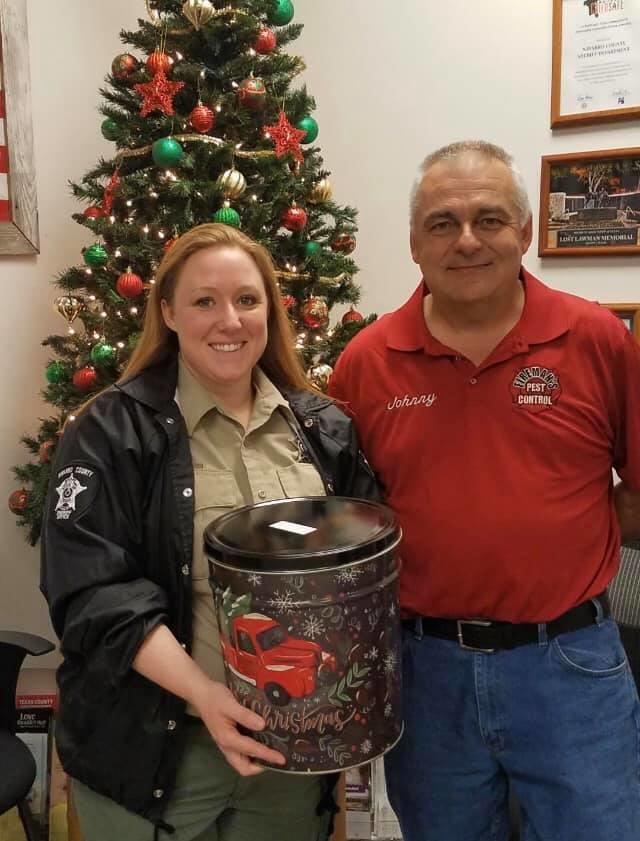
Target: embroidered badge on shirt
(535, 388)
(76, 486)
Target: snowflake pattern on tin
(255, 579)
(313, 627)
(366, 747)
(348, 576)
(282, 602)
(390, 662)
(388, 709)
(372, 653)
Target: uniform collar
(195, 401)
(543, 319)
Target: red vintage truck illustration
(260, 651)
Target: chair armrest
(30, 643)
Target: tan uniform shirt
(235, 467)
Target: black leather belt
(485, 635)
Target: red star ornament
(286, 137)
(158, 94)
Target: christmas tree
(206, 126)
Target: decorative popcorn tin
(307, 605)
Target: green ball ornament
(227, 216)
(56, 373)
(103, 354)
(109, 129)
(167, 152)
(95, 256)
(281, 13)
(309, 125)
(312, 248)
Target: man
(493, 409)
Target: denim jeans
(559, 719)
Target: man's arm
(627, 504)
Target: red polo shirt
(500, 474)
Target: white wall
(392, 80)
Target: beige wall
(392, 81)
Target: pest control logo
(75, 482)
(535, 388)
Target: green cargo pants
(211, 802)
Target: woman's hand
(222, 715)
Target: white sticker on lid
(295, 528)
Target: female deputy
(212, 412)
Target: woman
(212, 412)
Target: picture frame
(18, 198)
(629, 314)
(595, 68)
(590, 204)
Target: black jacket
(116, 559)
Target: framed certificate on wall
(18, 201)
(629, 314)
(596, 61)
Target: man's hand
(627, 504)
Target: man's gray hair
(487, 150)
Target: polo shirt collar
(544, 318)
(195, 401)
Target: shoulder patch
(74, 489)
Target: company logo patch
(76, 487)
(535, 389)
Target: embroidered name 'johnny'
(412, 400)
(77, 488)
(535, 388)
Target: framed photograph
(629, 314)
(595, 62)
(590, 204)
(18, 199)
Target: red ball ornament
(315, 312)
(352, 316)
(123, 66)
(44, 453)
(294, 218)
(289, 302)
(129, 285)
(158, 61)
(345, 243)
(252, 94)
(266, 41)
(85, 378)
(202, 118)
(93, 213)
(18, 501)
(169, 245)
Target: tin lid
(301, 534)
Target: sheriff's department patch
(75, 488)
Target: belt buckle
(483, 623)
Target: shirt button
(171, 725)
(185, 569)
(183, 645)
(187, 492)
(308, 423)
(473, 381)
(158, 792)
(170, 420)
(262, 494)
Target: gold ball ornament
(198, 12)
(232, 183)
(320, 375)
(321, 191)
(68, 307)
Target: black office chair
(17, 765)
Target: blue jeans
(560, 720)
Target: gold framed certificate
(596, 62)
